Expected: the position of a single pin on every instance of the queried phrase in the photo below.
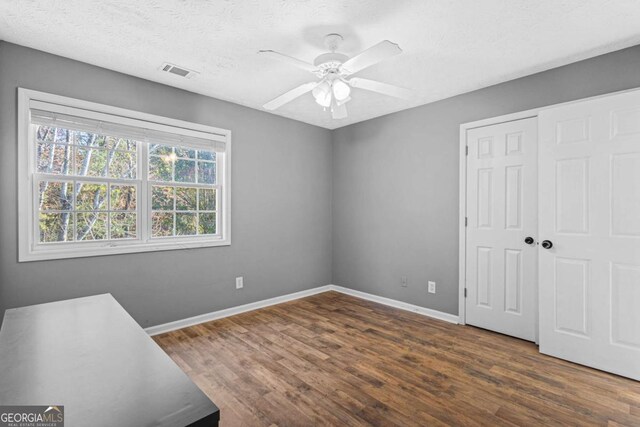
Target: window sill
(91, 250)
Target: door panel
(590, 209)
(513, 281)
(502, 211)
(484, 281)
(485, 198)
(625, 207)
(571, 283)
(513, 197)
(625, 290)
(572, 214)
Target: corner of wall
(332, 133)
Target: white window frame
(29, 249)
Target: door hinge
(466, 221)
(466, 150)
(465, 292)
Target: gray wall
(395, 180)
(281, 174)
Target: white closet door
(502, 212)
(590, 212)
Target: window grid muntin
(74, 147)
(39, 178)
(174, 210)
(74, 179)
(196, 160)
(108, 165)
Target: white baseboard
(195, 320)
(451, 318)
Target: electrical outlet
(239, 282)
(432, 287)
(403, 281)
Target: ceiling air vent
(178, 71)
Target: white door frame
(462, 230)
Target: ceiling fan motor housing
(330, 60)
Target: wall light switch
(239, 282)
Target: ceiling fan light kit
(322, 93)
(340, 90)
(334, 70)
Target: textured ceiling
(450, 46)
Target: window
(99, 180)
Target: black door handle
(547, 244)
(529, 240)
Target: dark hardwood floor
(332, 359)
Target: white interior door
(590, 211)
(501, 213)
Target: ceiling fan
(334, 70)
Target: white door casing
(589, 209)
(501, 210)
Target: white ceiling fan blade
(339, 111)
(384, 88)
(373, 55)
(290, 59)
(289, 96)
